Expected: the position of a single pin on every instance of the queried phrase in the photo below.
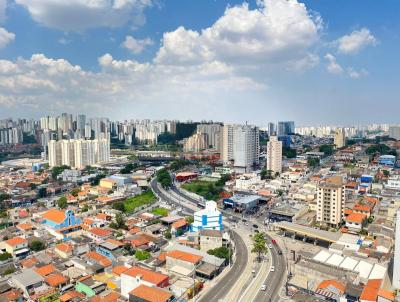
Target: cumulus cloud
(354, 74)
(6, 37)
(79, 15)
(333, 67)
(356, 41)
(278, 31)
(136, 46)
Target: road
(225, 285)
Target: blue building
(62, 222)
(207, 219)
(387, 160)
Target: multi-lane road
(220, 291)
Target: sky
(311, 61)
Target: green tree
(5, 256)
(221, 252)
(189, 219)
(289, 152)
(75, 191)
(259, 245)
(312, 162)
(327, 149)
(37, 245)
(58, 170)
(142, 255)
(168, 234)
(85, 208)
(119, 206)
(164, 178)
(9, 271)
(62, 202)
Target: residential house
(144, 293)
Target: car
(272, 268)
(273, 241)
(279, 252)
(256, 231)
(270, 246)
(255, 226)
(246, 223)
(263, 287)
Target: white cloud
(277, 32)
(63, 41)
(79, 15)
(354, 74)
(136, 46)
(354, 42)
(333, 67)
(6, 37)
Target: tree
(221, 252)
(58, 170)
(120, 206)
(327, 149)
(142, 255)
(85, 208)
(5, 256)
(164, 178)
(259, 245)
(168, 234)
(266, 174)
(189, 219)
(62, 202)
(74, 192)
(120, 221)
(386, 173)
(312, 162)
(41, 192)
(289, 152)
(37, 245)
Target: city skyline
(322, 67)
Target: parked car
(263, 287)
(272, 268)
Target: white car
(272, 268)
(263, 287)
(270, 246)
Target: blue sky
(316, 62)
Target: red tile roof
(371, 289)
(356, 217)
(151, 294)
(16, 241)
(55, 280)
(119, 269)
(147, 275)
(55, 215)
(100, 232)
(188, 257)
(103, 260)
(64, 247)
(326, 283)
(46, 270)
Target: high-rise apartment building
(11, 136)
(196, 142)
(285, 128)
(213, 132)
(271, 129)
(330, 201)
(241, 146)
(340, 138)
(394, 132)
(78, 153)
(274, 155)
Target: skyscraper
(213, 132)
(78, 153)
(274, 155)
(330, 201)
(285, 128)
(271, 129)
(340, 138)
(394, 132)
(241, 146)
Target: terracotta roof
(25, 226)
(119, 269)
(88, 221)
(147, 275)
(179, 224)
(114, 242)
(140, 240)
(134, 230)
(103, 260)
(162, 257)
(326, 283)
(102, 216)
(64, 247)
(151, 294)
(348, 212)
(68, 296)
(46, 270)
(55, 215)
(13, 295)
(28, 263)
(100, 232)
(55, 280)
(356, 217)
(362, 207)
(188, 257)
(371, 289)
(386, 294)
(16, 241)
(110, 297)
(370, 199)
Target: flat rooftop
(308, 231)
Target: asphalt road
(224, 285)
(274, 280)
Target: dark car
(255, 226)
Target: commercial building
(207, 219)
(242, 202)
(285, 128)
(78, 153)
(340, 138)
(241, 146)
(274, 155)
(330, 201)
(387, 160)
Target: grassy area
(143, 199)
(208, 189)
(160, 211)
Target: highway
(225, 285)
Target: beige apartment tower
(274, 155)
(340, 138)
(330, 201)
